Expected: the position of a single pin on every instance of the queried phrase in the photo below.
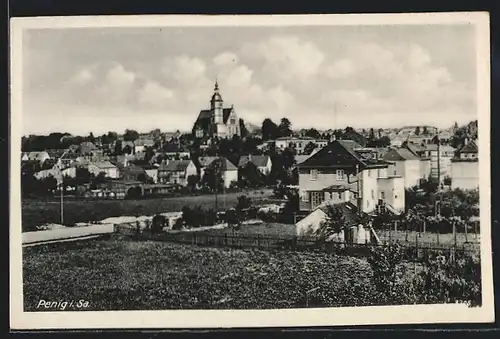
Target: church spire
(216, 88)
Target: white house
(405, 164)
(440, 156)
(106, 167)
(41, 156)
(465, 168)
(229, 170)
(56, 173)
(262, 162)
(298, 144)
(343, 171)
(176, 171)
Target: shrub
(158, 223)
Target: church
(217, 121)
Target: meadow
(39, 212)
(118, 274)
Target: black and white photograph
(250, 171)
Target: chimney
(466, 141)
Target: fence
(411, 251)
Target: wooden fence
(410, 251)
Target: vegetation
(129, 275)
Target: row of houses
(344, 171)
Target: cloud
(184, 69)
(225, 58)
(287, 57)
(155, 94)
(82, 77)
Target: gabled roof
(470, 147)
(103, 164)
(174, 166)
(257, 160)
(205, 117)
(400, 154)
(205, 161)
(226, 165)
(340, 154)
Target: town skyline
(83, 80)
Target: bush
(158, 223)
(441, 281)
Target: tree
(48, 184)
(149, 154)
(142, 177)
(192, 181)
(91, 137)
(130, 135)
(312, 133)
(425, 131)
(417, 130)
(372, 134)
(82, 176)
(311, 146)
(212, 178)
(334, 222)
(118, 148)
(269, 129)
(250, 176)
(284, 128)
(99, 179)
(127, 149)
(243, 128)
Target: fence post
(425, 226)
(466, 226)
(437, 236)
(395, 225)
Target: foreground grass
(125, 275)
(263, 229)
(36, 213)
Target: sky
(82, 80)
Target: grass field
(428, 238)
(35, 213)
(262, 229)
(125, 275)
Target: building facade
(465, 168)
(217, 121)
(338, 173)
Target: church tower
(216, 105)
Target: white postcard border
(350, 316)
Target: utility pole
(360, 201)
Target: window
(340, 195)
(340, 174)
(382, 195)
(233, 121)
(314, 174)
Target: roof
(300, 158)
(400, 154)
(175, 166)
(205, 117)
(257, 160)
(103, 164)
(296, 138)
(470, 147)
(133, 169)
(205, 161)
(144, 142)
(336, 188)
(354, 136)
(342, 154)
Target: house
(398, 140)
(353, 231)
(465, 167)
(141, 144)
(343, 171)
(132, 172)
(176, 171)
(404, 163)
(39, 156)
(440, 156)
(423, 154)
(106, 167)
(228, 170)
(354, 136)
(86, 148)
(56, 173)
(151, 172)
(299, 144)
(217, 121)
(262, 162)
